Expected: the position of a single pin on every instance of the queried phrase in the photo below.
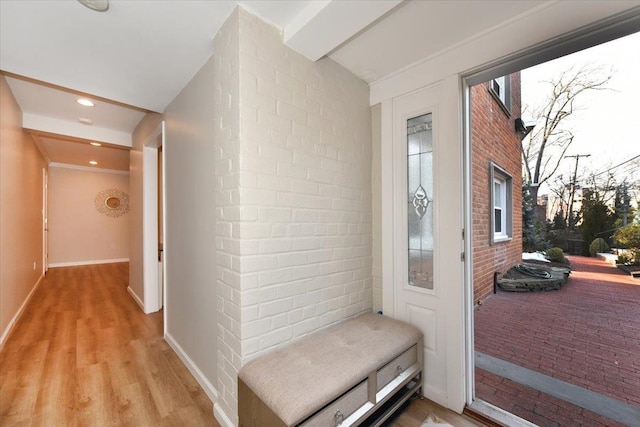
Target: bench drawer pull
(338, 412)
(338, 418)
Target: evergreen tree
(596, 219)
(623, 212)
(559, 222)
(530, 238)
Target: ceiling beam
(42, 124)
(325, 25)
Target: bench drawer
(397, 366)
(346, 405)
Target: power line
(617, 166)
(573, 186)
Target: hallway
(84, 354)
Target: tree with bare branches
(546, 145)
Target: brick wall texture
(293, 170)
(227, 188)
(493, 139)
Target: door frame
(602, 31)
(150, 239)
(45, 221)
(461, 69)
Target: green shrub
(598, 246)
(555, 255)
(623, 259)
(629, 237)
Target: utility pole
(570, 217)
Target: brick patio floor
(587, 334)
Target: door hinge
(461, 256)
(463, 234)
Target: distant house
(497, 180)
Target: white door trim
(151, 277)
(45, 221)
(469, 355)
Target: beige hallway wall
(190, 254)
(21, 166)
(78, 233)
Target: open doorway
(560, 349)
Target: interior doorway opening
(550, 365)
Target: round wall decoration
(112, 202)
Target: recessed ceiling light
(85, 102)
(93, 162)
(96, 144)
(85, 121)
(97, 5)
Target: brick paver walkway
(587, 334)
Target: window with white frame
(501, 204)
(500, 88)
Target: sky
(608, 126)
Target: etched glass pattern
(420, 197)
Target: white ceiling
(421, 29)
(46, 101)
(142, 53)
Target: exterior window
(500, 88)
(420, 198)
(501, 205)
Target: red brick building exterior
(495, 148)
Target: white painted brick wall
(293, 194)
(314, 205)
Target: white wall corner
(204, 382)
(325, 25)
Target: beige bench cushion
(299, 379)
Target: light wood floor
(419, 409)
(84, 354)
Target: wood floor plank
(84, 354)
(56, 393)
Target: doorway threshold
(606, 406)
(492, 415)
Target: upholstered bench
(356, 372)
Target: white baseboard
(16, 317)
(95, 261)
(136, 298)
(206, 385)
(221, 417)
